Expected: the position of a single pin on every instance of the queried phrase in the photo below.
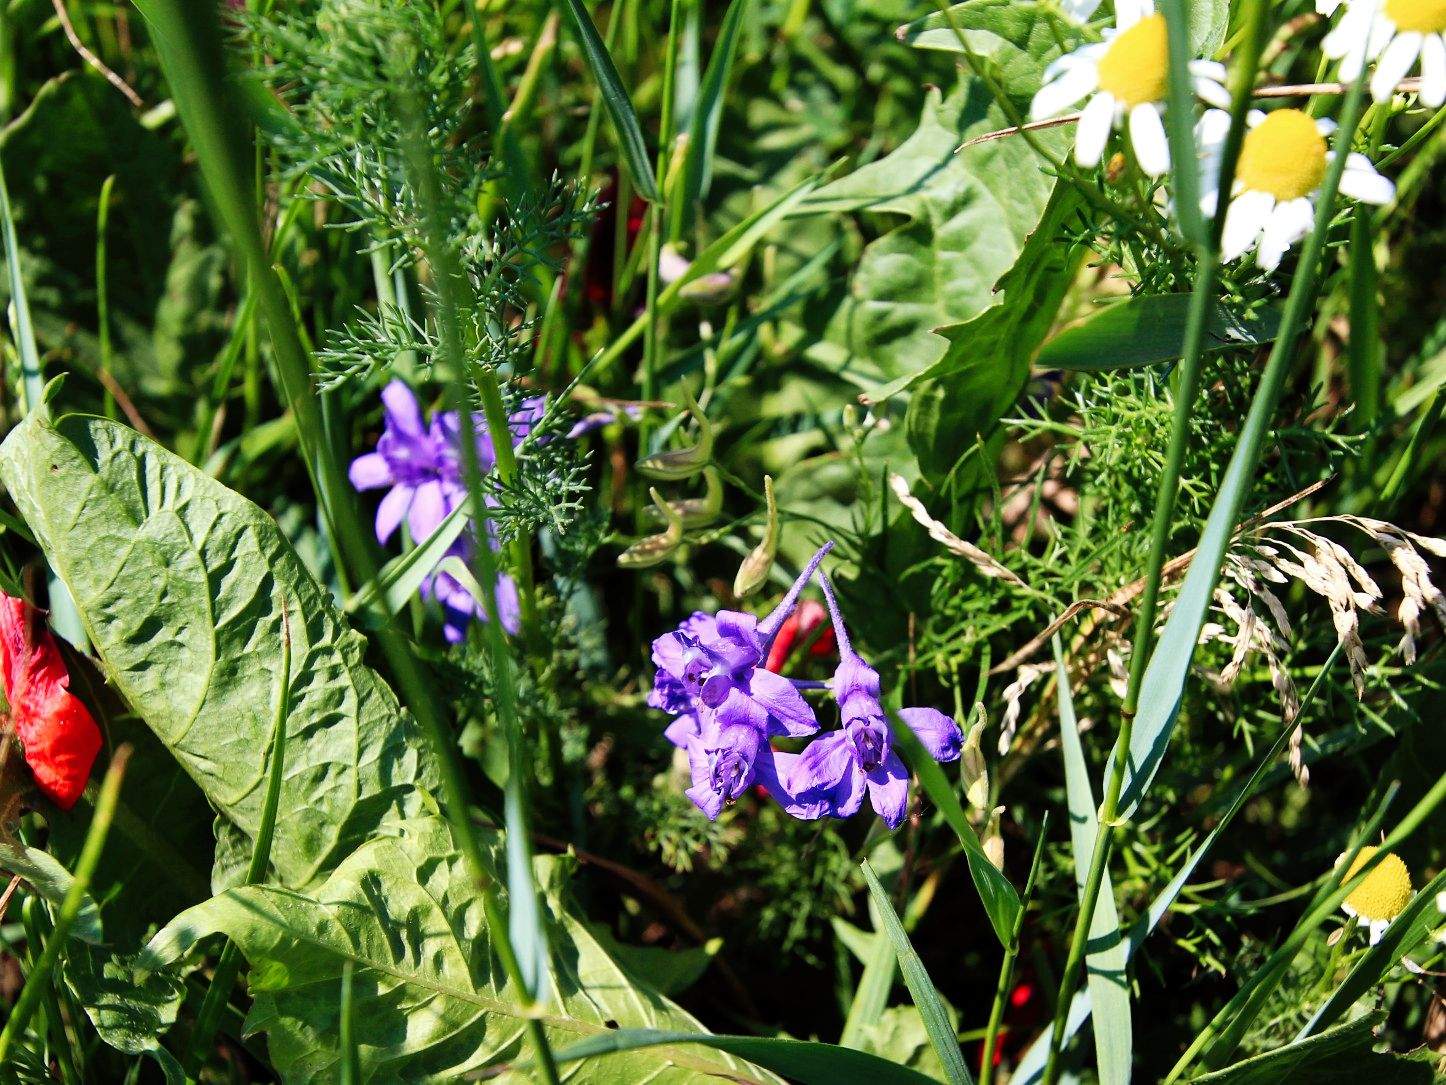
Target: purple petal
(370, 472)
(390, 512)
(940, 735)
(855, 680)
(774, 771)
(826, 762)
(789, 714)
(428, 509)
(403, 414)
(682, 730)
(706, 800)
(740, 710)
(889, 790)
(508, 604)
(769, 627)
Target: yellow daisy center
(1284, 155)
(1422, 16)
(1386, 890)
(1133, 67)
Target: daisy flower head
(1282, 163)
(1124, 77)
(1395, 34)
(1382, 896)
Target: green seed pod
(655, 549)
(753, 573)
(695, 511)
(680, 463)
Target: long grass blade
(871, 997)
(1180, 121)
(706, 118)
(615, 100)
(1105, 965)
(926, 997)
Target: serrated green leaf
(403, 910)
(182, 584)
(1143, 331)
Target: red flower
(56, 731)
(797, 629)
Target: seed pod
(680, 463)
(655, 549)
(992, 840)
(753, 572)
(695, 511)
(976, 774)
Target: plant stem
(37, 983)
(1186, 391)
(1006, 967)
(451, 360)
(102, 293)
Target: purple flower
(417, 460)
(458, 604)
(722, 759)
(831, 777)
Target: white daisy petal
(1094, 130)
(1287, 224)
(1327, 7)
(1212, 128)
(1080, 10)
(1057, 97)
(1147, 137)
(1326, 127)
(1362, 182)
(1433, 70)
(1395, 62)
(1244, 219)
(1212, 92)
(1129, 12)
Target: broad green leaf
(1108, 979)
(187, 589)
(898, 1034)
(937, 1022)
(1343, 1055)
(800, 1060)
(1143, 331)
(1009, 35)
(667, 971)
(996, 892)
(50, 881)
(432, 1000)
(130, 1008)
(968, 215)
(615, 100)
(987, 363)
(1405, 933)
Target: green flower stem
(1006, 967)
(451, 360)
(1185, 393)
(38, 982)
(188, 41)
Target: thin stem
(1006, 967)
(102, 292)
(37, 983)
(1167, 492)
(451, 360)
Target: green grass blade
(871, 997)
(1001, 901)
(1107, 978)
(1180, 122)
(706, 117)
(921, 987)
(615, 100)
(350, 1070)
(807, 1062)
(37, 983)
(1406, 932)
(399, 579)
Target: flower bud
(976, 774)
(655, 549)
(680, 463)
(753, 572)
(992, 839)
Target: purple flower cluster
(727, 706)
(419, 464)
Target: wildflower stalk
(188, 42)
(1186, 390)
(1006, 967)
(451, 361)
(37, 983)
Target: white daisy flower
(1395, 34)
(1124, 78)
(1381, 896)
(1282, 163)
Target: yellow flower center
(1422, 16)
(1386, 890)
(1133, 67)
(1283, 155)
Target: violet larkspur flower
(727, 705)
(832, 775)
(420, 462)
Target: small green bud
(680, 463)
(695, 511)
(976, 773)
(655, 549)
(753, 573)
